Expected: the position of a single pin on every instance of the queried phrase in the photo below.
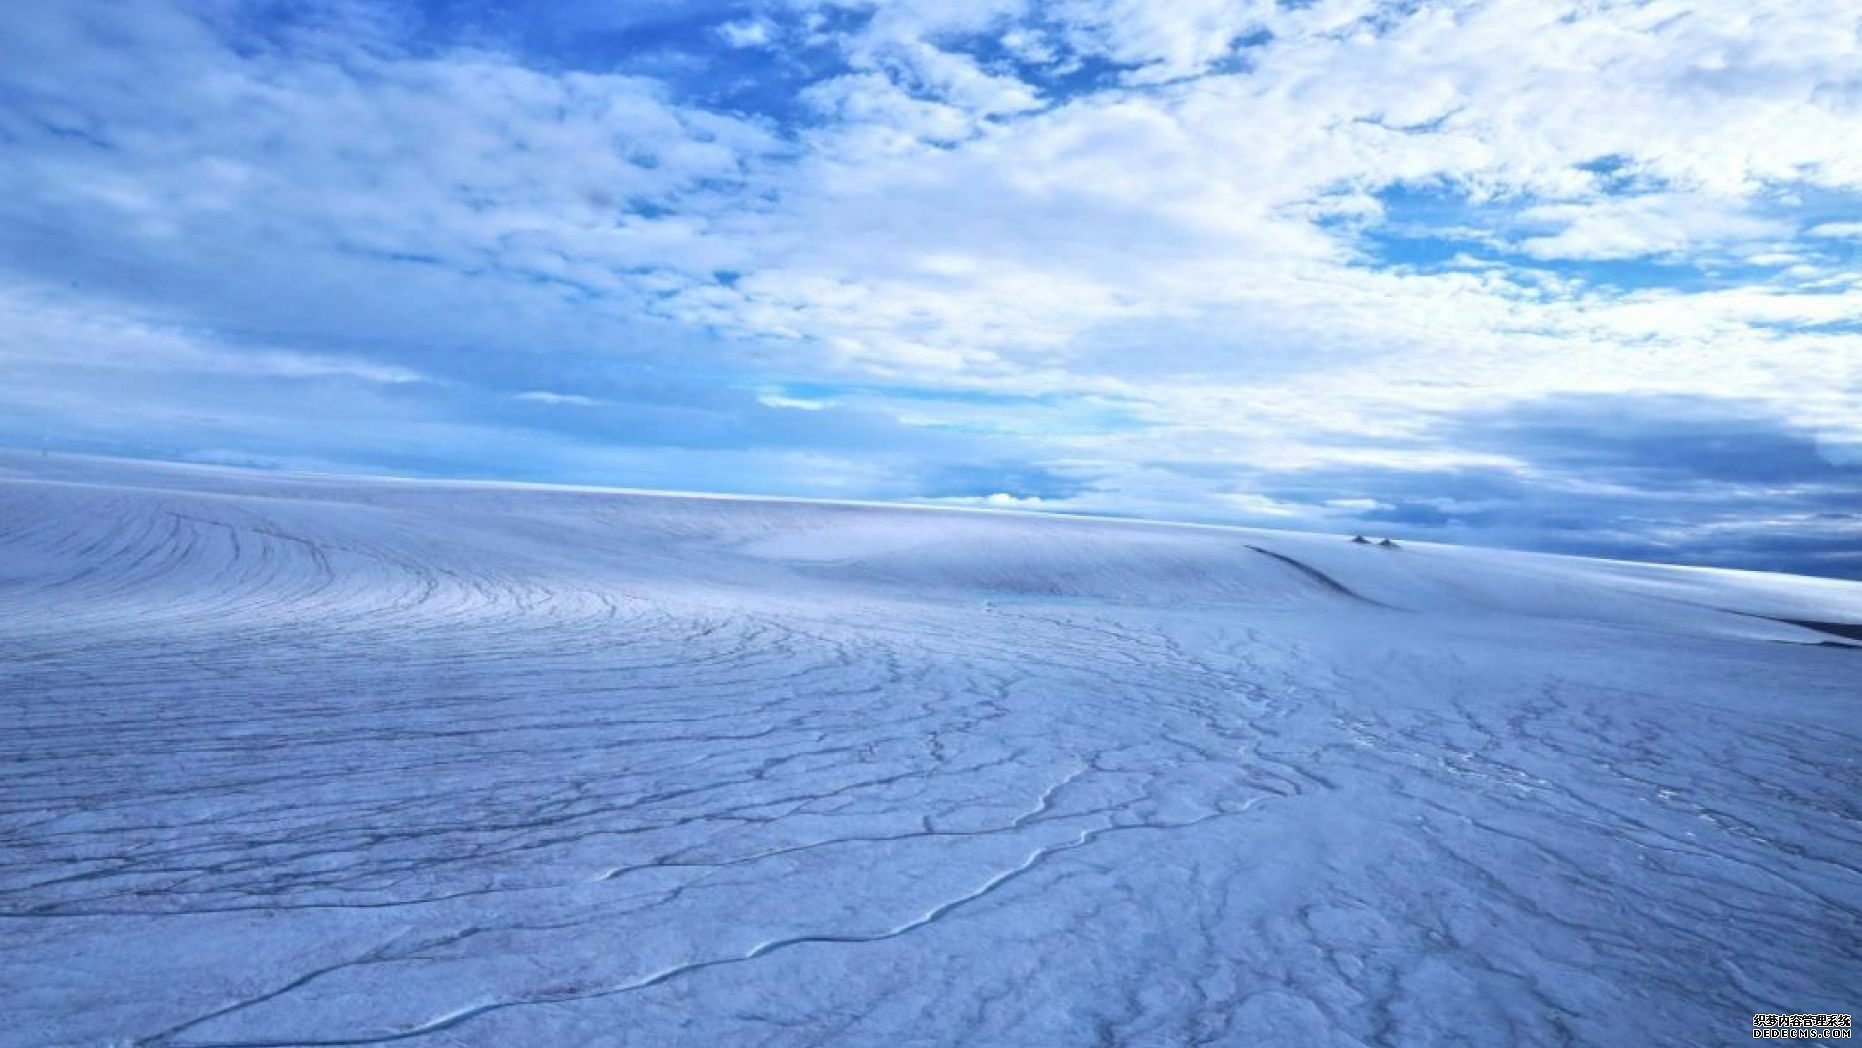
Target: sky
(1570, 275)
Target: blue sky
(1581, 276)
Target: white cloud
(999, 500)
(777, 400)
(1188, 212)
(1261, 506)
(538, 396)
(40, 329)
(1004, 499)
(750, 32)
(1638, 226)
(1165, 41)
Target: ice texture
(303, 760)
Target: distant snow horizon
(984, 504)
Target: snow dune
(300, 760)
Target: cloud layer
(1515, 271)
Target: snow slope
(314, 761)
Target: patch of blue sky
(682, 45)
(1059, 75)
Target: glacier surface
(304, 760)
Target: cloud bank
(1564, 275)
